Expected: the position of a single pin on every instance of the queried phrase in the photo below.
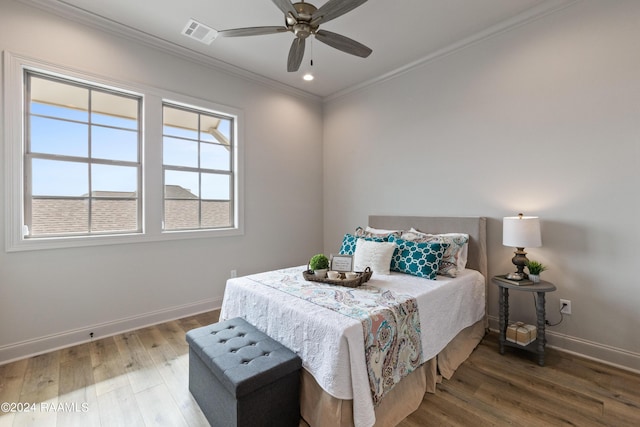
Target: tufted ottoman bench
(241, 377)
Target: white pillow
(375, 255)
(380, 231)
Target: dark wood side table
(540, 289)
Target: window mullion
(140, 162)
(153, 173)
(89, 166)
(199, 142)
(28, 197)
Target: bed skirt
(320, 409)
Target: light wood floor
(141, 379)
(494, 390)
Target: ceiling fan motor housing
(302, 30)
(301, 26)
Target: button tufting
(266, 382)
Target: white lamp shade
(521, 232)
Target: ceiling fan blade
(252, 31)
(286, 7)
(296, 53)
(333, 9)
(343, 43)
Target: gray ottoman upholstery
(241, 377)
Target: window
(90, 161)
(197, 148)
(82, 159)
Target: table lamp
(520, 232)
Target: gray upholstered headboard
(475, 227)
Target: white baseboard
(33, 347)
(602, 353)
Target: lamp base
(520, 261)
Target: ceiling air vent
(199, 32)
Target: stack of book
(523, 282)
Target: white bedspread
(331, 345)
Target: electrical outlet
(565, 306)
(234, 273)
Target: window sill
(45, 243)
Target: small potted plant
(319, 264)
(535, 268)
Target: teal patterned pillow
(417, 259)
(454, 259)
(349, 243)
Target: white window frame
(201, 111)
(89, 160)
(152, 176)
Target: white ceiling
(401, 33)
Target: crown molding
(73, 13)
(537, 12)
(65, 10)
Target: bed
(336, 381)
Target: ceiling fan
(303, 19)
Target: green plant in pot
(319, 263)
(535, 268)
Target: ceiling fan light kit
(303, 20)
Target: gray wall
(54, 297)
(543, 120)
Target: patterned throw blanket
(390, 321)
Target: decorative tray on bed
(362, 277)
